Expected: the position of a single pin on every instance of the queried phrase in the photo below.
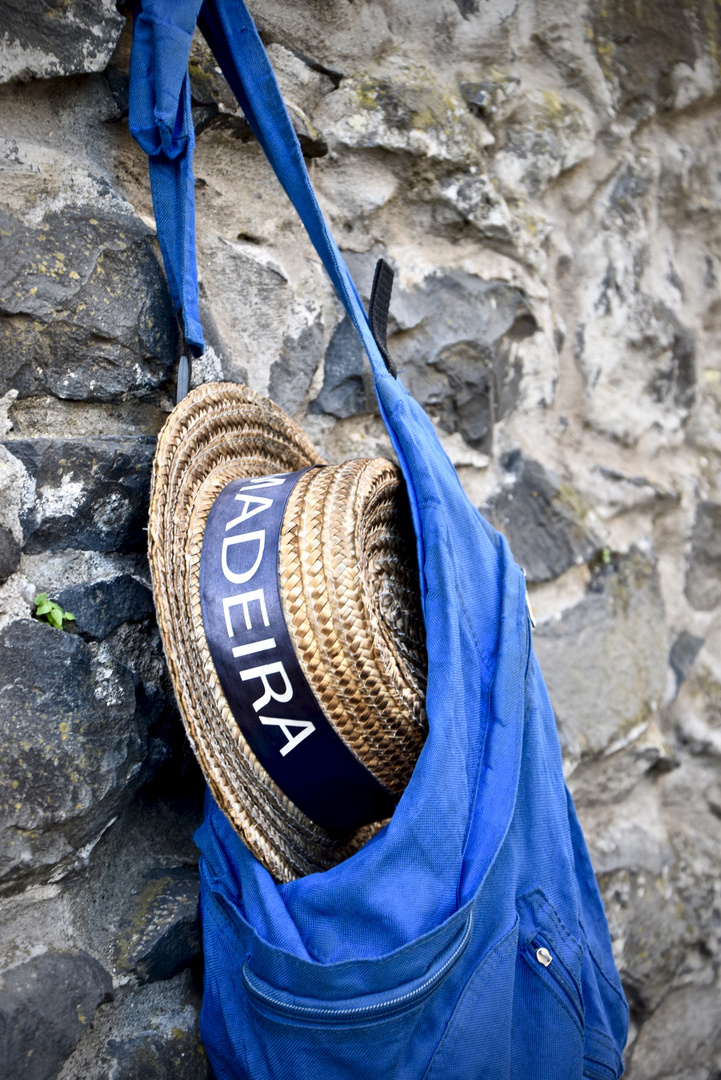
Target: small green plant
(605, 556)
(52, 612)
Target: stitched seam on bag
(546, 908)
(591, 1065)
(503, 947)
(600, 1037)
(486, 720)
(612, 1066)
(606, 979)
(436, 504)
(219, 912)
(614, 1061)
(469, 625)
(432, 502)
(550, 912)
(554, 993)
(482, 751)
(436, 977)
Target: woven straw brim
(224, 431)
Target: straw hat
(339, 661)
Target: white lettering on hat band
(254, 647)
(265, 481)
(240, 579)
(295, 731)
(242, 600)
(261, 504)
(306, 726)
(262, 673)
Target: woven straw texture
(349, 589)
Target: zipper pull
(543, 956)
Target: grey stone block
(343, 393)
(100, 607)
(160, 932)
(43, 40)
(45, 1006)
(292, 372)
(9, 554)
(543, 519)
(89, 494)
(604, 659)
(85, 312)
(149, 1033)
(456, 353)
(684, 651)
(72, 746)
(641, 44)
(703, 575)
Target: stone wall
(545, 177)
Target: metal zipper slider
(543, 956)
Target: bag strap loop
(380, 303)
(161, 121)
(231, 34)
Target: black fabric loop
(380, 303)
(183, 379)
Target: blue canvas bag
(467, 939)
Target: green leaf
(51, 612)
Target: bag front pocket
(300, 1022)
(363, 1009)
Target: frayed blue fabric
(427, 953)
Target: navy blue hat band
(258, 668)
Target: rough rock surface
(73, 741)
(45, 1005)
(9, 553)
(41, 39)
(152, 1033)
(545, 180)
(703, 577)
(86, 494)
(83, 313)
(160, 932)
(101, 606)
(545, 521)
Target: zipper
(540, 950)
(591, 1074)
(360, 1012)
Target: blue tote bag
(467, 939)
